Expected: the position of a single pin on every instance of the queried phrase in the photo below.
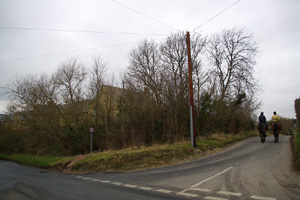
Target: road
(246, 170)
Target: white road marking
(163, 191)
(208, 179)
(183, 193)
(218, 174)
(200, 189)
(104, 181)
(95, 179)
(116, 183)
(214, 198)
(145, 188)
(187, 194)
(261, 198)
(230, 193)
(130, 186)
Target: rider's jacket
(275, 118)
(262, 119)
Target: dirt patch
(73, 162)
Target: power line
(101, 32)
(67, 52)
(217, 15)
(78, 31)
(144, 15)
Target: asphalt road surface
(247, 170)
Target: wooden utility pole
(192, 112)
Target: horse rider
(262, 119)
(275, 119)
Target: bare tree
(233, 55)
(162, 70)
(109, 99)
(175, 70)
(174, 65)
(201, 75)
(33, 100)
(145, 68)
(18, 92)
(98, 72)
(70, 77)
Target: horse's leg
(275, 132)
(264, 132)
(261, 136)
(260, 132)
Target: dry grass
(158, 155)
(135, 158)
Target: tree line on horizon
(51, 114)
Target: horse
(262, 131)
(276, 129)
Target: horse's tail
(261, 127)
(275, 127)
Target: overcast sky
(111, 28)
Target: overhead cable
(77, 31)
(54, 54)
(144, 15)
(216, 15)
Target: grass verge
(38, 161)
(134, 158)
(144, 158)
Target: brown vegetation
(52, 114)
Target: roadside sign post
(91, 143)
